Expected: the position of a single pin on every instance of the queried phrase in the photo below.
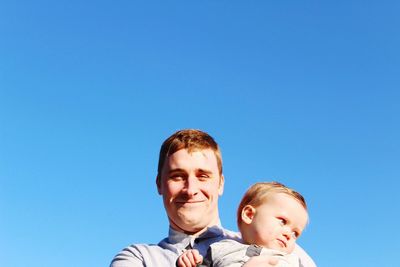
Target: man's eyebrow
(176, 170)
(204, 171)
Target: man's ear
(158, 183)
(248, 213)
(221, 185)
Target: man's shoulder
(305, 259)
(231, 234)
(225, 234)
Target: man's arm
(128, 257)
(144, 255)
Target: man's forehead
(204, 157)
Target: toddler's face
(276, 224)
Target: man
(190, 181)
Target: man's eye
(204, 176)
(176, 177)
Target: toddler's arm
(262, 260)
(189, 258)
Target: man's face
(275, 224)
(190, 185)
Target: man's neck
(194, 232)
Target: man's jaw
(188, 227)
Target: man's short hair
(192, 140)
(258, 194)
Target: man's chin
(191, 205)
(191, 226)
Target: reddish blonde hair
(192, 140)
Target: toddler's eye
(295, 234)
(282, 221)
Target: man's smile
(183, 202)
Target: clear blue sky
(303, 92)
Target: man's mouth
(183, 202)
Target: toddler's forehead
(281, 200)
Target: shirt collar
(175, 236)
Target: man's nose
(192, 186)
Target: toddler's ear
(248, 214)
